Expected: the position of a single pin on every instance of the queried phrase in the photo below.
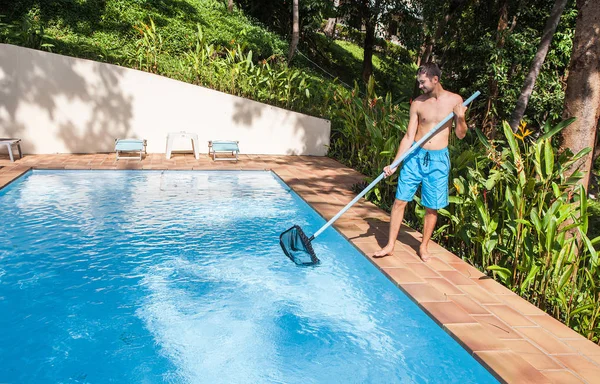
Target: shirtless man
(428, 165)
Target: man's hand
(459, 111)
(388, 171)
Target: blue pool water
(178, 277)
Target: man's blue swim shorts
(431, 169)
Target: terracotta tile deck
(516, 341)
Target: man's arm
(408, 139)
(460, 124)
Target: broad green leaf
(535, 219)
(482, 139)
(560, 126)
(563, 299)
(523, 221)
(249, 59)
(493, 178)
(591, 279)
(458, 200)
(504, 273)
(445, 213)
(460, 187)
(548, 158)
(489, 246)
(493, 223)
(546, 127)
(566, 248)
(576, 157)
(583, 208)
(583, 308)
(483, 213)
(377, 194)
(564, 278)
(510, 136)
(551, 212)
(530, 277)
(538, 158)
(590, 247)
(556, 190)
(509, 196)
(551, 233)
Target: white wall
(59, 104)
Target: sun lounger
(130, 146)
(9, 143)
(224, 147)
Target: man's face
(426, 84)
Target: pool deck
(515, 340)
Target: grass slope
(104, 30)
(107, 31)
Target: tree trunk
(489, 121)
(426, 54)
(416, 90)
(329, 29)
(367, 69)
(429, 44)
(295, 31)
(440, 29)
(422, 51)
(230, 6)
(538, 60)
(582, 99)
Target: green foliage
(472, 56)
(347, 33)
(277, 14)
(27, 32)
(594, 221)
(105, 30)
(233, 70)
(149, 47)
(392, 64)
(515, 214)
(366, 133)
(512, 212)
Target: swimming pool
(150, 276)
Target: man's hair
(430, 70)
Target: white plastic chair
(9, 143)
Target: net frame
(294, 242)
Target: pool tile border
(513, 339)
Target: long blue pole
(394, 165)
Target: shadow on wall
(312, 141)
(82, 104)
(245, 112)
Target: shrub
(515, 214)
(366, 133)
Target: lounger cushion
(129, 145)
(225, 146)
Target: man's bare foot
(385, 251)
(424, 254)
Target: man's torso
(430, 112)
